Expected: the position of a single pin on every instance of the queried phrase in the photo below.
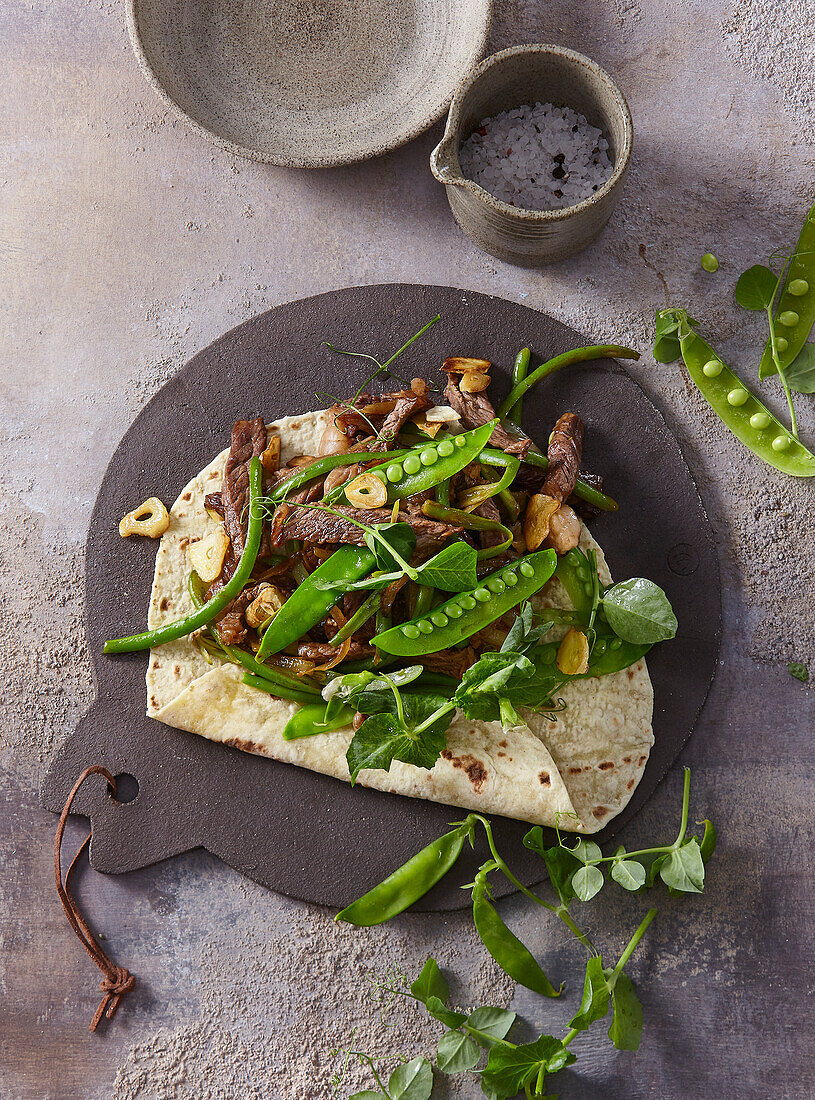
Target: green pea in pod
(511, 955)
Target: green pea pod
(796, 303)
(433, 462)
(409, 883)
(511, 955)
(574, 573)
(468, 612)
(308, 604)
(308, 721)
(204, 615)
(740, 410)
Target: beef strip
(248, 441)
(450, 662)
(310, 525)
(322, 651)
(214, 503)
(565, 453)
(407, 405)
(231, 625)
(476, 409)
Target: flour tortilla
(577, 772)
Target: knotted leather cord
(117, 980)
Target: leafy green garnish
(799, 671)
(756, 287)
(452, 569)
(801, 371)
(638, 611)
(511, 1069)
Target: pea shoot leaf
(800, 374)
(799, 671)
(708, 844)
(684, 869)
(412, 1081)
(452, 569)
(594, 1005)
(431, 983)
(755, 288)
(444, 1015)
(628, 873)
(492, 1022)
(510, 1068)
(587, 881)
(560, 863)
(587, 851)
(490, 677)
(638, 611)
(668, 329)
(400, 536)
(368, 1094)
(457, 1052)
(523, 635)
(626, 1024)
(382, 738)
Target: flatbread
(576, 772)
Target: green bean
(468, 520)
(366, 610)
(519, 371)
(409, 883)
(567, 359)
(181, 627)
(281, 692)
(740, 410)
(443, 493)
(511, 955)
(308, 604)
(796, 303)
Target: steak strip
(407, 405)
(248, 442)
(565, 453)
(311, 525)
(476, 409)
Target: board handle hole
(127, 787)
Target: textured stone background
(127, 244)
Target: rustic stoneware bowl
(308, 83)
(532, 74)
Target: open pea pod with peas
(735, 404)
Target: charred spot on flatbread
(472, 767)
(545, 779)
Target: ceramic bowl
(528, 75)
(308, 83)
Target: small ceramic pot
(511, 78)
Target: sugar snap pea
(308, 604)
(408, 883)
(428, 465)
(511, 955)
(740, 410)
(468, 612)
(204, 615)
(795, 312)
(309, 720)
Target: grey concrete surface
(126, 244)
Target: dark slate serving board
(303, 834)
